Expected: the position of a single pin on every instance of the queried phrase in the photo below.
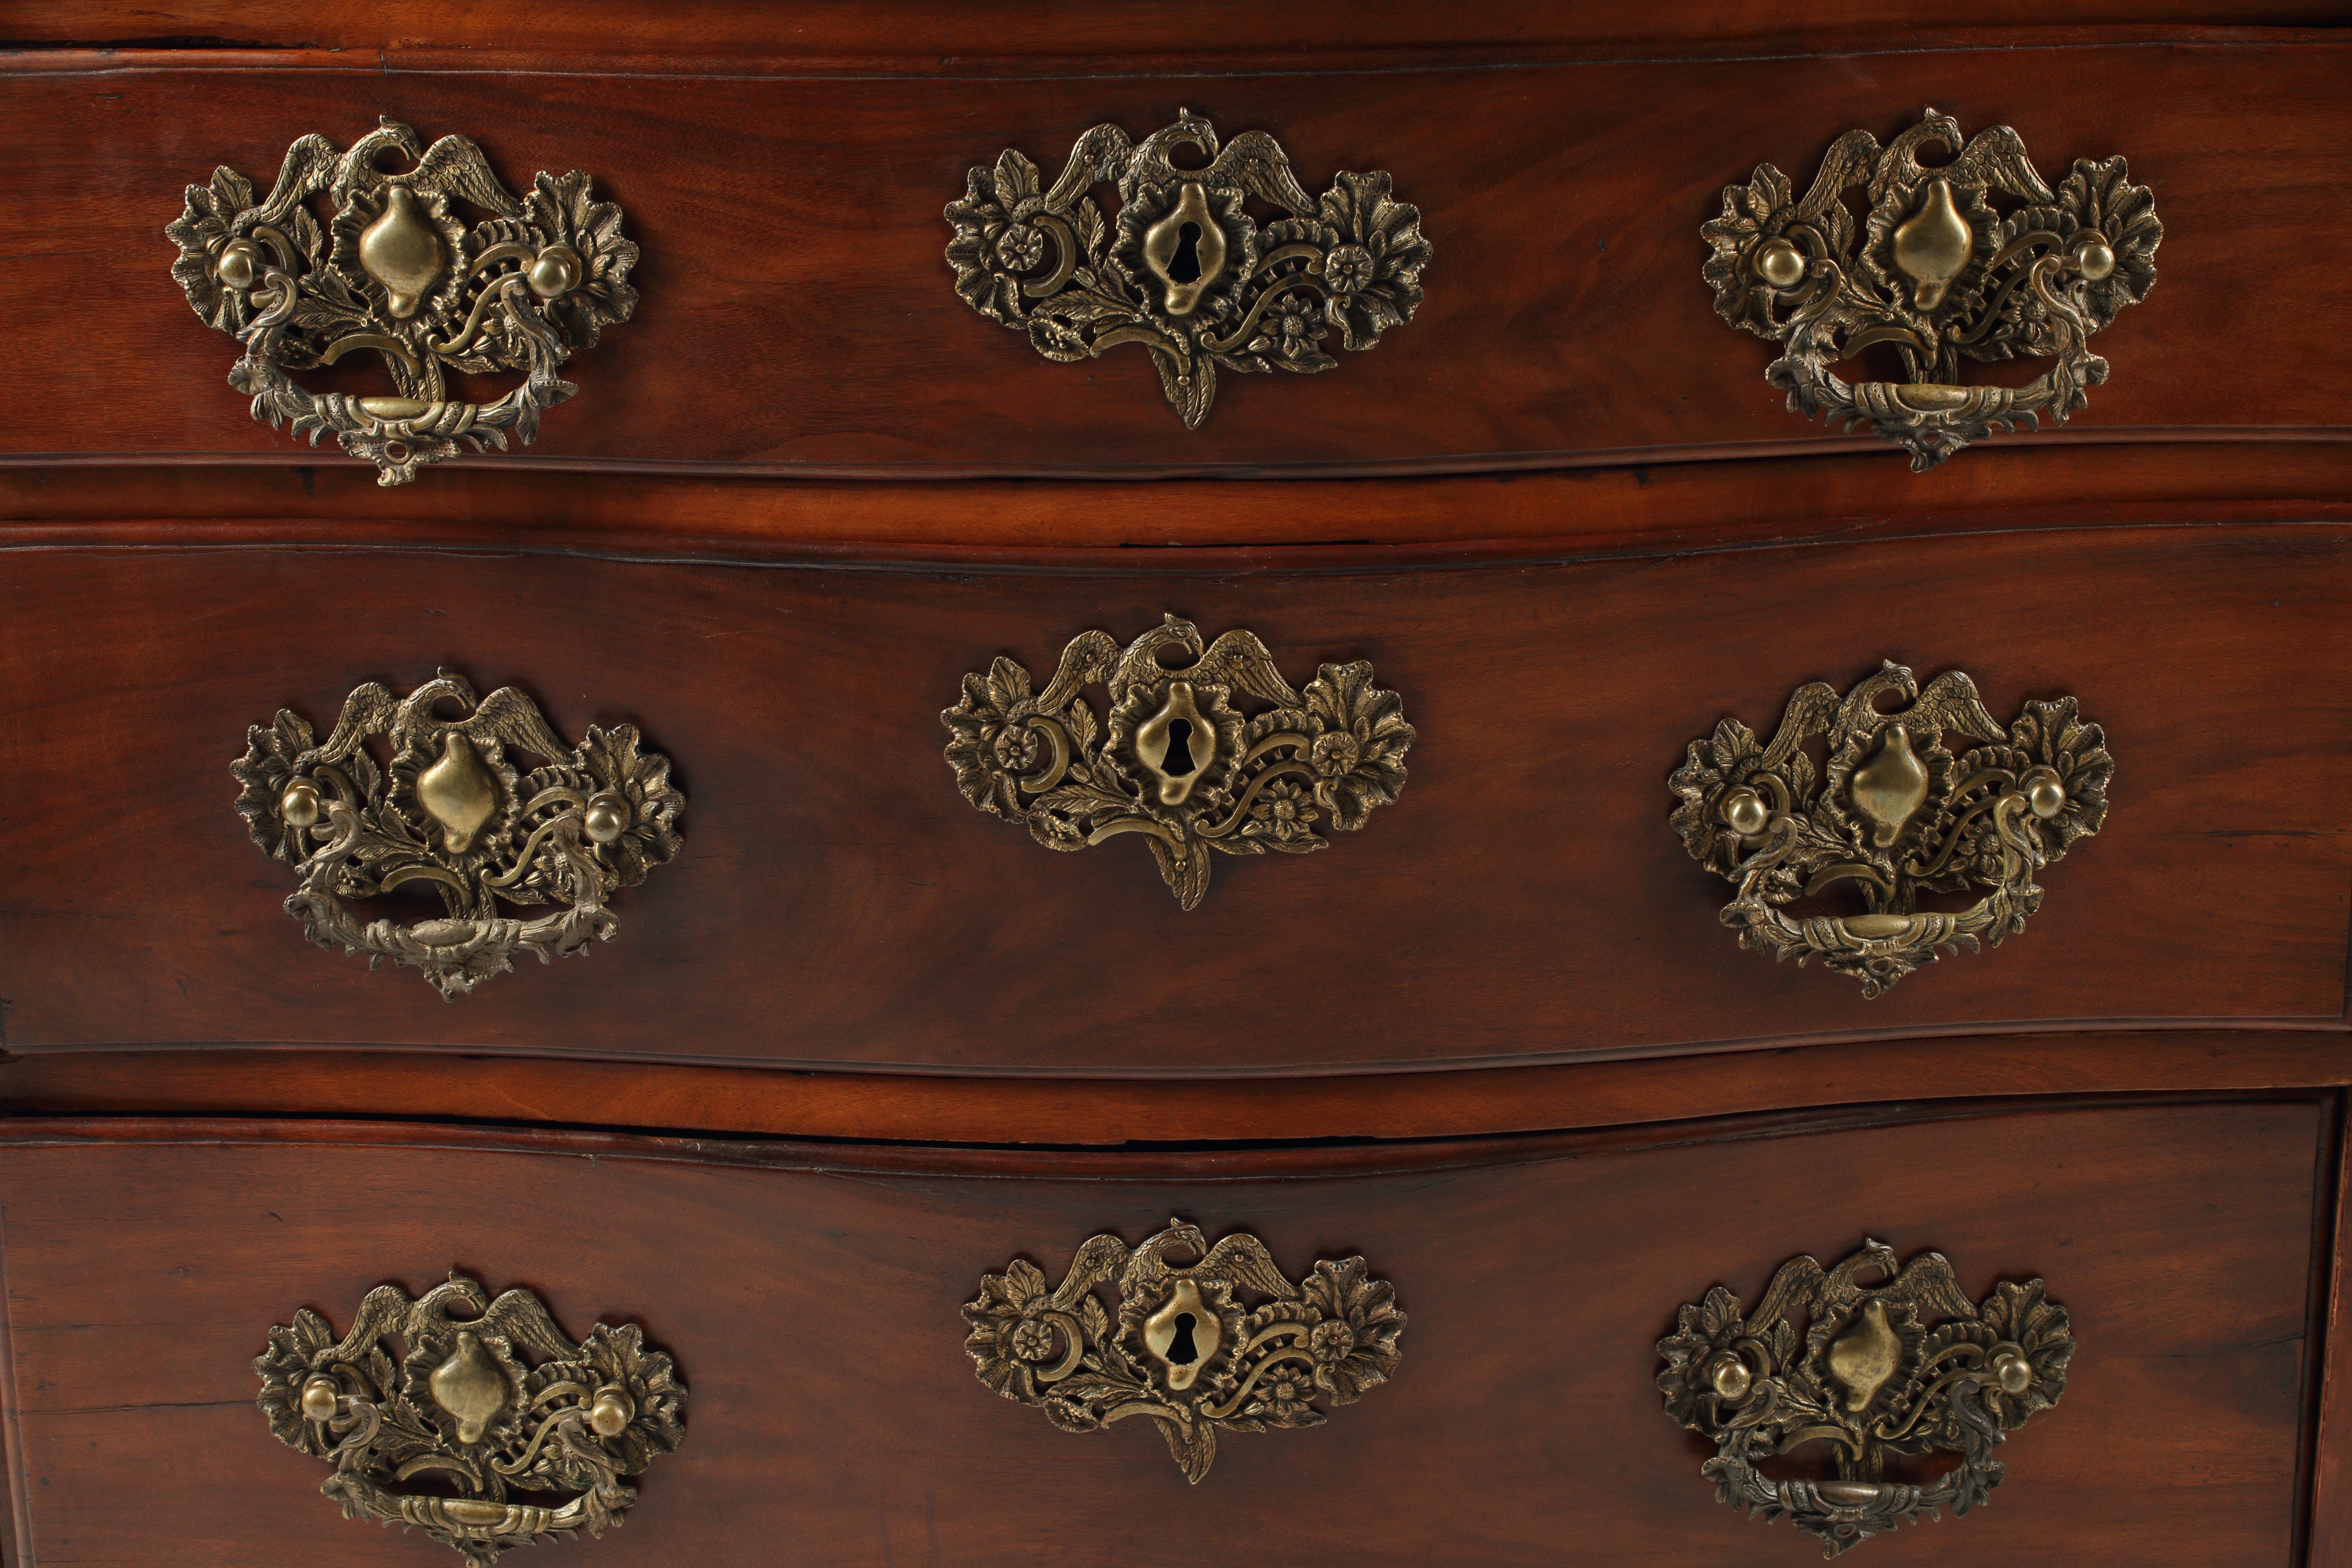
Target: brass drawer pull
(1179, 763)
(398, 272)
(1893, 814)
(1901, 1367)
(464, 1406)
(454, 812)
(1183, 1347)
(1937, 275)
(1180, 269)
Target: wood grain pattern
(798, 317)
(839, 904)
(812, 1306)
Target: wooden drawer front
(810, 1300)
(837, 901)
(798, 315)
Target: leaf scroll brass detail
(1900, 1368)
(1892, 814)
(1972, 259)
(455, 814)
(1180, 763)
(1182, 269)
(1225, 1343)
(493, 1401)
(396, 271)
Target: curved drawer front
(811, 1299)
(802, 313)
(839, 901)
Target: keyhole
(1179, 760)
(1184, 266)
(1180, 1350)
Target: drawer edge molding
(1900, 1368)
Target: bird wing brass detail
(1892, 814)
(1180, 762)
(450, 809)
(1901, 1368)
(1971, 259)
(493, 1401)
(1226, 1343)
(396, 270)
(1181, 268)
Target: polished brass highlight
(455, 814)
(465, 1407)
(1182, 269)
(1179, 763)
(1184, 1348)
(396, 271)
(1894, 814)
(1901, 1368)
(1939, 273)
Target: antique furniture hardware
(465, 1407)
(1184, 1348)
(1894, 814)
(1179, 763)
(1899, 1368)
(1182, 269)
(1939, 273)
(454, 812)
(397, 271)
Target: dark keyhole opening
(1181, 1352)
(1184, 266)
(1179, 760)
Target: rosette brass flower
(1224, 1342)
(490, 1402)
(1183, 269)
(1971, 259)
(397, 271)
(454, 812)
(1894, 1370)
(1893, 813)
(1180, 762)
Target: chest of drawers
(1453, 1193)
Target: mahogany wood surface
(810, 1300)
(2330, 1544)
(798, 317)
(838, 902)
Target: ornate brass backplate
(1179, 763)
(398, 272)
(1892, 814)
(467, 1407)
(1971, 259)
(454, 811)
(1181, 268)
(1901, 1368)
(1187, 1348)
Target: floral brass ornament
(455, 812)
(1182, 269)
(400, 272)
(1971, 259)
(1904, 1367)
(1179, 762)
(489, 1398)
(1225, 1343)
(1894, 814)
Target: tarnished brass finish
(464, 1406)
(1939, 273)
(1184, 1348)
(396, 271)
(1182, 269)
(455, 814)
(1180, 763)
(1902, 1368)
(1894, 814)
